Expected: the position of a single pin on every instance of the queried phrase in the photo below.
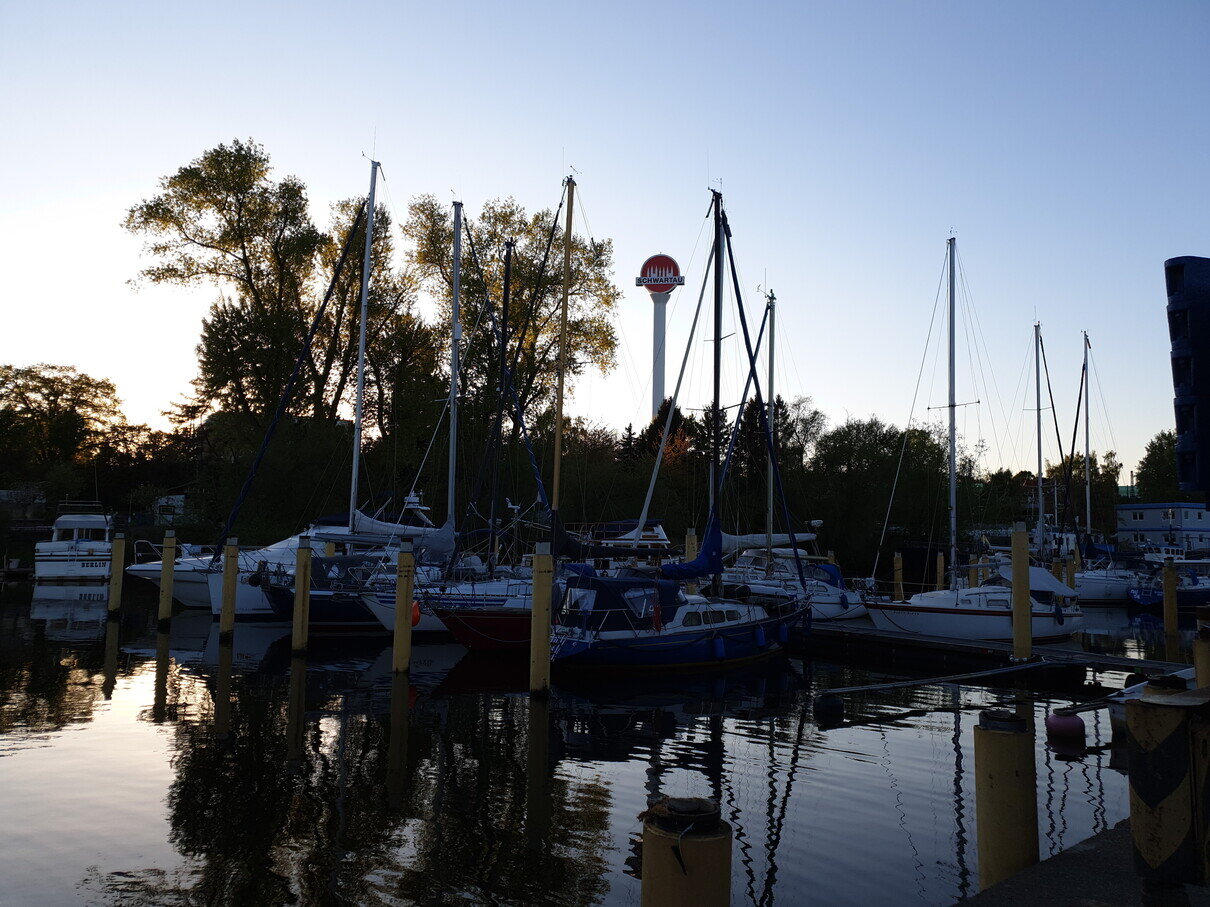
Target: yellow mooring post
(397, 747)
(972, 573)
(1006, 796)
(167, 569)
(226, 621)
(1201, 647)
(940, 571)
(1056, 569)
(539, 622)
(117, 570)
(1076, 561)
(1167, 747)
(302, 595)
(405, 584)
(899, 577)
(1023, 634)
(690, 554)
(329, 549)
(1069, 570)
(686, 854)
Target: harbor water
(161, 768)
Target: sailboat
(637, 620)
(983, 611)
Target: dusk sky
(1064, 144)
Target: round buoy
(1064, 727)
(415, 613)
(828, 710)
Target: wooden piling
(329, 549)
(1023, 635)
(117, 571)
(167, 571)
(899, 577)
(539, 626)
(941, 584)
(1006, 805)
(690, 554)
(1069, 570)
(226, 623)
(1056, 569)
(405, 584)
(302, 595)
(686, 863)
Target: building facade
(1181, 524)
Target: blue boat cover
(615, 602)
(709, 560)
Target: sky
(1063, 144)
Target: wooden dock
(852, 642)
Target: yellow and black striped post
(899, 577)
(1168, 790)
(117, 571)
(1006, 796)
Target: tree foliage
(1155, 476)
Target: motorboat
(79, 549)
(771, 577)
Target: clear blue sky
(1065, 144)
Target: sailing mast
(455, 341)
(361, 349)
(1087, 444)
(771, 304)
(554, 497)
(716, 429)
(953, 249)
(1041, 540)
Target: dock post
(1056, 569)
(539, 625)
(940, 571)
(167, 569)
(972, 573)
(1006, 796)
(690, 554)
(1023, 634)
(1077, 562)
(397, 746)
(302, 595)
(1069, 570)
(405, 585)
(1170, 616)
(329, 549)
(1201, 647)
(226, 621)
(117, 571)
(686, 854)
(831, 556)
(1167, 745)
(899, 577)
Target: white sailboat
(985, 611)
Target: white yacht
(775, 579)
(79, 549)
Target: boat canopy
(1040, 580)
(618, 603)
(733, 543)
(83, 521)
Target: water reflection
(330, 778)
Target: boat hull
(382, 605)
(970, 623)
(190, 585)
(685, 649)
(500, 629)
(329, 609)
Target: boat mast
(494, 539)
(455, 341)
(716, 414)
(554, 497)
(361, 349)
(771, 303)
(1038, 404)
(953, 404)
(1087, 444)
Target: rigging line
(1066, 473)
(1101, 395)
(533, 297)
(911, 415)
(978, 324)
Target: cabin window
(691, 619)
(998, 602)
(1137, 515)
(732, 615)
(715, 617)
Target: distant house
(169, 509)
(1181, 524)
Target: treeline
(224, 222)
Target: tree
(1155, 476)
(57, 412)
(536, 295)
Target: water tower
(661, 275)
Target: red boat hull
(493, 629)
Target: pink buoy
(1067, 727)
